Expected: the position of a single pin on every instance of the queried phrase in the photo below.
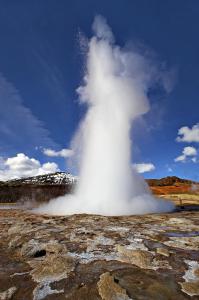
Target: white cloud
(144, 167)
(194, 159)
(189, 135)
(21, 166)
(22, 162)
(18, 123)
(187, 152)
(181, 158)
(62, 153)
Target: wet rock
(54, 246)
(52, 268)
(7, 295)
(163, 251)
(109, 289)
(30, 248)
(144, 284)
(191, 277)
(189, 243)
(149, 257)
(34, 248)
(43, 290)
(196, 272)
(180, 221)
(140, 258)
(190, 288)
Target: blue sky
(41, 65)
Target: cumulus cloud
(144, 167)
(189, 135)
(62, 153)
(21, 166)
(187, 152)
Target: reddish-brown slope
(172, 185)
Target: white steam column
(115, 88)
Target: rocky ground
(88, 257)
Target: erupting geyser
(115, 89)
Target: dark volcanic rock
(89, 257)
(36, 189)
(30, 194)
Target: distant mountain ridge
(170, 181)
(57, 178)
(60, 178)
(42, 188)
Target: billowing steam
(115, 89)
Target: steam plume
(115, 89)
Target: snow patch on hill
(54, 178)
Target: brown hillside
(169, 181)
(172, 185)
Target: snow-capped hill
(53, 178)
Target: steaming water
(115, 89)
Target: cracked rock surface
(90, 257)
